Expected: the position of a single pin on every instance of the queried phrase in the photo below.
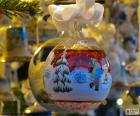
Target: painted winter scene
(77, 75)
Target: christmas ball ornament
(76, 74)
(15, 44)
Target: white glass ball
(74, 76)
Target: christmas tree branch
(18, 7)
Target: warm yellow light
(37, 51)
(119, 101)
(128, 1)
(3, 60)
(27, 0)
(27, 111)
(39, 19)
(127, 92)
(10, 26)
(62, 32)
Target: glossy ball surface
(74, 76)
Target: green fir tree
(19, 7)
(61, 75)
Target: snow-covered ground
(80, 91)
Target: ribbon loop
(83, 12)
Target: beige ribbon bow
(83, 12)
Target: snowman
(105, 74)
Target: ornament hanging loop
(78, 29)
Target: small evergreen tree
(61, 75)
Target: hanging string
(138, 14)
(37, 32)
